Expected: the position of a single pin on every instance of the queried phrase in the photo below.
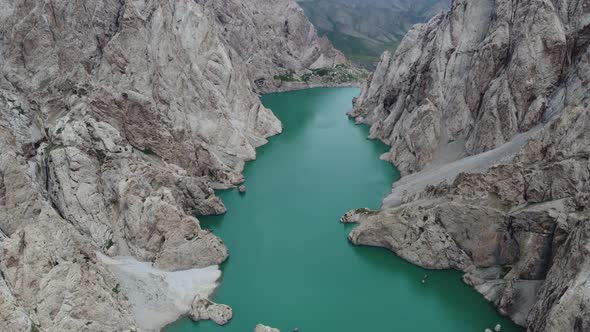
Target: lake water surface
(290, 262)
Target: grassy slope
(358, 50)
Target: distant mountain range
(363, 29)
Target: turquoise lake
(290, 263)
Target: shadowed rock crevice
(2, 190)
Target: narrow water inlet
(291, 265)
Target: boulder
(204, 309)
(262, 328)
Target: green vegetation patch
(340, 73)
(149, 151)
(50, 147)
(505, 270)
(117, 289)
(286, 77)
(155, 184)
(366, 211)
(108, 244)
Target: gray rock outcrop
(505, 227)
(486, 107)
(272, 38)
(263, 328)
(473, 78)
(118, 119)
(203, 309)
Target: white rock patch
(159, 297)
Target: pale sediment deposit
(157, 296)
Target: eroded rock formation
(204, 309)
(471, 79)
(118, 119)
(486, 107)
(262, 328)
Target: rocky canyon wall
(486, 110)
(118, 119)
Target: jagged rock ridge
(362, 29)
(475, 77)
(486, 107)
(118, 120)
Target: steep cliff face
(487, 106)
(471, 79)
(118, 120)
(273, 38)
